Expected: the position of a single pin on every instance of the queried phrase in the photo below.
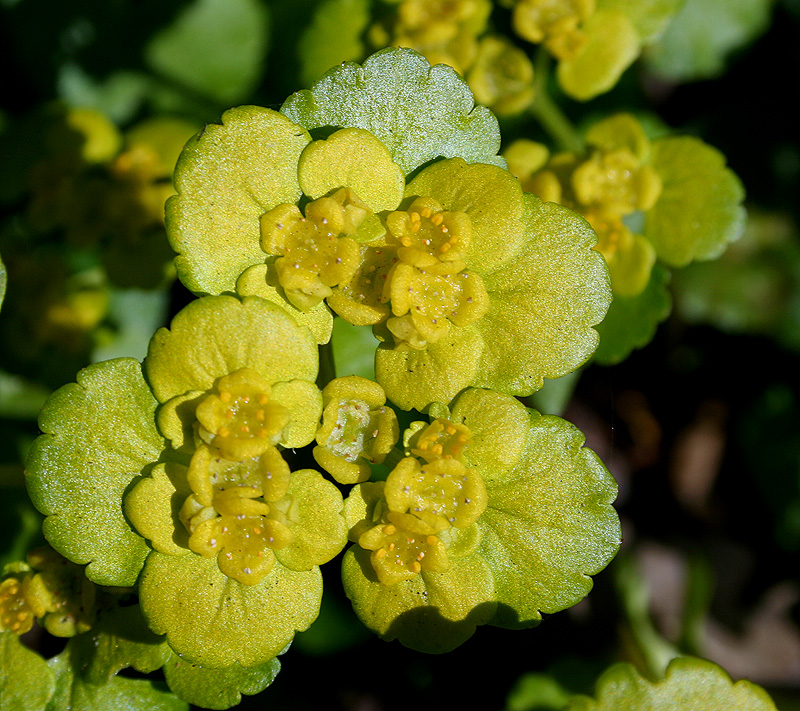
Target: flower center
(16, 613)
(426, 234)
(615, 183)
(441, 439)
(554, 22)
(238, 418)
(314, 252)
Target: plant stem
(548, 113)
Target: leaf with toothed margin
(419, 112)
(549, 523)
(218, 688)
(631, 322)
(26, 682)
(99, 437)
(215, 621)
(691, 684)
(226, 178)
(76, 693)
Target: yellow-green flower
(172, 475)
(594, 41)
(503, 516)
(455, 268)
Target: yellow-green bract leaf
(703, 34)
(226, 178)
(26, 682)
(612, 46)
(99, 435)
(419, 112)
(262, 280)
(215, 621)
(215, 47)
(690, 685)
(432, 612)
(549, 523)
(352, 158)
(75, 693)
(315, 519)
(217, 688)
(544, 303)
(700, 207)
(333, 36)
(631, 321)
(218, 335)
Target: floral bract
(690, 685)
(643, 200)
(470, 534)
(594, 41)
(452, 268)
(199, 474)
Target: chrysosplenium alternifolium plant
(377, 196)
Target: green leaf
(537, 692)
(704, 33)
(215, 621)
(690, 685)
(631, 322)
(75, 693)
(316, 521)
(118, 640)
(549, 523)
(545, 303)
(226, 178)
(419, 112)
(26, 682)
(217, 688)
(99, 436)
(214, 47)
(699, 210)
(353, 349)
(333, 36)
(433, 612)
(218, 335)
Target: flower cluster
(187, 465)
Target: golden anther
(260, 415)
(263, 399)
(380, 553)
(415, 226)
(225, 396)
(445, 247)
(462, 438)
(389, 529)
(424, 444)
(223, 431)
(436, 449)
(391, 546)
(262, 433)
(229, 414)
(450, 430)
(256, 530)
(245, 428)
(437, 219)
(431, 540)
(415, 217)
(406, 241)
(426, 212)
(415, 567)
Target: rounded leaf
(226, 178)
(419, 112)
(99, 436)
(215, 621)
(217, 335)
(432, 612)
(700, 208)
(690, 685)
